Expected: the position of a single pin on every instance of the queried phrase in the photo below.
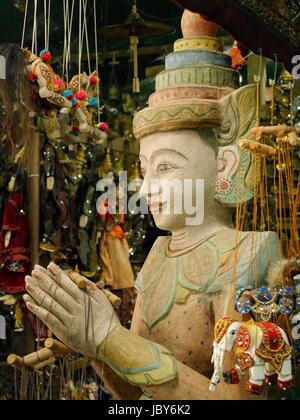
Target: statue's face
(180, 160)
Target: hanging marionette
(14, 242)
(114, 251)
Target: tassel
(104, 127)
(81, 96)
(94, 80)
(46, 56)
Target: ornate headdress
(199, 89)
(222, 327)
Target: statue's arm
(171, 380)
(118, 387)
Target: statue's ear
(238, 112)
(238, 115)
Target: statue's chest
(167, 282)
(187, 332)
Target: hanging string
(85, 35)
(97, 59)
(24, 24)
(47, 13)
(70, 23)
(49, 20)
(45, 22)
(80, 42)
(34, 29)
(273, 82)
(65, 5)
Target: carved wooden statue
(188, 135)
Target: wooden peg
(16, 361)
(257, 148)
(115, 301)
(42, 365)
(76, 278)
(57, 347)
(38, 357)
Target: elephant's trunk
(218, 360)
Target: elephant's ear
(238, 115)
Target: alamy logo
(296, 68)
(2, 68)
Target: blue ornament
(68, 93)
(264, 295)
(94, 102)
(43, 52)
(243, 306)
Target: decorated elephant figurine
(262, 349)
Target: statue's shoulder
(259, 253)
(245, 257)
(231, 240)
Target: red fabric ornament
(32, 76)
(104, 127)
(81, 96)
(58, 84)
(94, 80)
(46, 57)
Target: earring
(224, 186)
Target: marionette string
(97, 58)
(24, 24)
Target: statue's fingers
(41, 269)
(47, 302)
(50, 320)
(28, 299)
(50, 286)
(65, 282)
(46, 283)
(97, 294)
(33, 280)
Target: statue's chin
(168, 222)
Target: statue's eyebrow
(157, 153)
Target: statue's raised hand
(81, 319)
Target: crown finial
(194, 25)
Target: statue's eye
(165, 167)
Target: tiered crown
(197, 76)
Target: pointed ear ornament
(235, 185)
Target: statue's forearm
(151, 368)
(136, 360)
(115, 385)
